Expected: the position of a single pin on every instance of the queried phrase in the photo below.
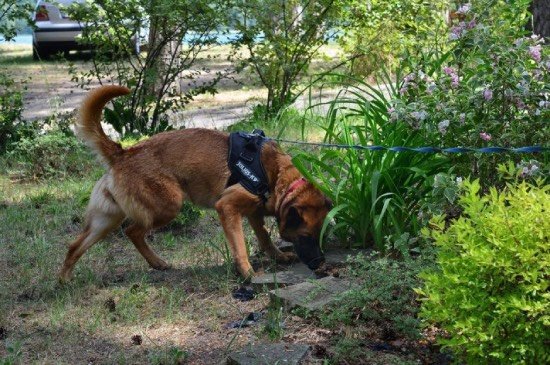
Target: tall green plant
(375, 193)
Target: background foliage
(278, 40)
(380, 31)
(175, 33)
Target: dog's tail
(88, 126)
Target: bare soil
(49, 89)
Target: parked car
(56, 32)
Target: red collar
(295, 185)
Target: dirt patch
(49, 90)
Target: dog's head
(301, 216)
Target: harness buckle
(246, 157)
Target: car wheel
(40, 52)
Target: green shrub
(491, 291)
(11, 108)
(375, 193)
(51, 155)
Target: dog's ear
(293, 218)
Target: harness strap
(244, 161)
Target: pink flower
(534, 52)
(454, 81)
(449, 70)
(485, 136)
(488, 94)
(452, 74)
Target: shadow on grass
(22, 55)
(192, 279)
(67, 345)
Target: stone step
(311, 295)
(269, 353)
(298, 272)
(295, 274)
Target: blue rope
(528, 149)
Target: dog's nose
(315, 263)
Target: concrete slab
(270, 353)
(298, 272)
(312, 295)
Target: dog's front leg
(232, 223)
(266, 245)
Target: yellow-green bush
(491, 291)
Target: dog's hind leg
(266, 245)
(162, 207)
(136, 233)
(99, 225)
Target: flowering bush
(491, 88)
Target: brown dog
(149, 182)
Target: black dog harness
(245, 163)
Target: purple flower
(452, 74)
(529, 170)
(393, 114)
(448, 70)
(456, 32)
(534, 52)
(409, 77)
(485, 136)
(464, 9)
(520, 104)
(488, 94)
(471, 24)
(442, 126)
(454, 81)
(420, 116)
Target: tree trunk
(540, 24)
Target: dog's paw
(161, 265)
(64, 276)
(286, 257)
(63, 280)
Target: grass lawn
(114, 294)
